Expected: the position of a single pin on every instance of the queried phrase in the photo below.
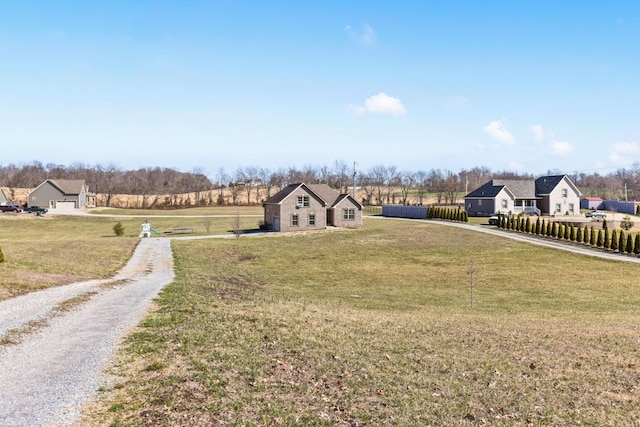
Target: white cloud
(561, 148)
(498, 131)
(624, 153)
(538, 133)
(365, 36)
(379, 104)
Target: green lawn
(375, 327)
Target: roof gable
(546, 184)
(347, 198)
(286, 192)
(521, 188)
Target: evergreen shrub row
(617, 241)
(448, 214)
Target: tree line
(252, 184)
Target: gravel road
(58, 364)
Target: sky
(523, 86)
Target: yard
(375, 327)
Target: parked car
(495, 219)
(36, 209)
(596, 215)
(9, 208)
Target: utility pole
(354, 180)
(625, 192)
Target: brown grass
(47, 251)
(373, 327)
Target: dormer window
(564, 192)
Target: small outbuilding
(62, 194)
(300, 207)
(3, 198)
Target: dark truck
(36, 209)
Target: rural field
(52, 250)
(377, 327)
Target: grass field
(51, 250)
(210, 210)
(375, 327)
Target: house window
(479, 202)
(571, 207)
(312, 219)
(504, 203)
(349, 214)
(294, 220)
(558, 208)
(302, 201)
(564, 192)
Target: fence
(402, 211)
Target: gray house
(62, 194)
(311, 207)
(547, 195)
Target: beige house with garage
(62, 194)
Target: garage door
(65, 206)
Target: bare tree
(407, 182)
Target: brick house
(311, 207)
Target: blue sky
(527, 86)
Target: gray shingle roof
(68, 186)
(282, 194)
(546, 184)
(521, 188)
(487, 190)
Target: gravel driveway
(59, 360)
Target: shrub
(567, 232)
(118, 229)
(538, 225)
(600, 240)
(592, 237)
(626, 223)
(604, 224)
(1, 255)
(607, 241)
(629, 246)
(614, 240)
(554, 230)
(579, 237)
(636, 245)
(622, 243)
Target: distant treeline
(379, 184)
